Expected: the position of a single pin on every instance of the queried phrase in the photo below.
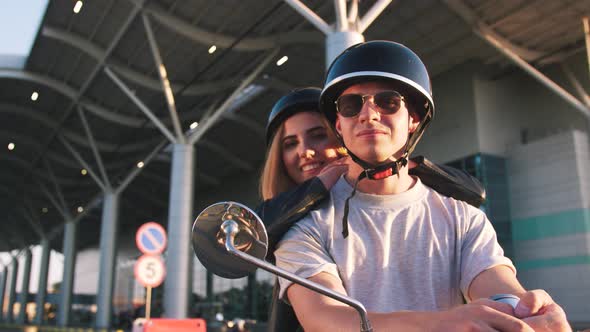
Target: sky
(19, 24)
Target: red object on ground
(175, 325)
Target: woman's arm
(281, 212)
(448, 181)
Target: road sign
(151, 238)
(150, 271)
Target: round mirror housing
(209, 239)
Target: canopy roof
(73, 53)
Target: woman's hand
(332, 172)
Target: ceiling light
(194, 125)
(44, 210)
(34, 96)
(282, 60)
(78, 6)
(140, 164)
(80, 209)
(212, 49)
(10, 146)
(84, 171)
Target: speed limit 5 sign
(150, 270)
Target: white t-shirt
(418, 250)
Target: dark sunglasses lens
(389, 102)
(349, 105)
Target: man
(409, 254)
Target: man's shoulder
(452, 207)
(323, 212)
(316, 224)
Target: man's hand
(537, 309)
(481, 315)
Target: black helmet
(384, 61)
(299, 100)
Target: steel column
(372, 14)
(163, 78)
(353, 12)
(177, 286)
(82, 162)
(131, 292)
(337, 42)
(344, 37)
(12, 291)
(157, 122)
(108, 258)
(101, 168)
(24, 293)
(67, 284)
(135, 172)
(309, 15)
(2, 291)
(347, 33)
(586, 24)
(341, 17)
(576, 84)
(42, 288)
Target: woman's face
(307, 146)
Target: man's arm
(536, 307)
(499, 279)
(317, 312)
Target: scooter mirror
(209, 239)
(230, 240)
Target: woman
(304, 160)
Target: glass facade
(491, 172)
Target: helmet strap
(379, 172)
(346, 205)
(375, 173)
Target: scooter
(231, 241)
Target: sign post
(149, 269)
(148, 302)
(150, 272)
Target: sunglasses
(387, 102)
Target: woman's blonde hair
(274, 178)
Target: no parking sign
(151, 238)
